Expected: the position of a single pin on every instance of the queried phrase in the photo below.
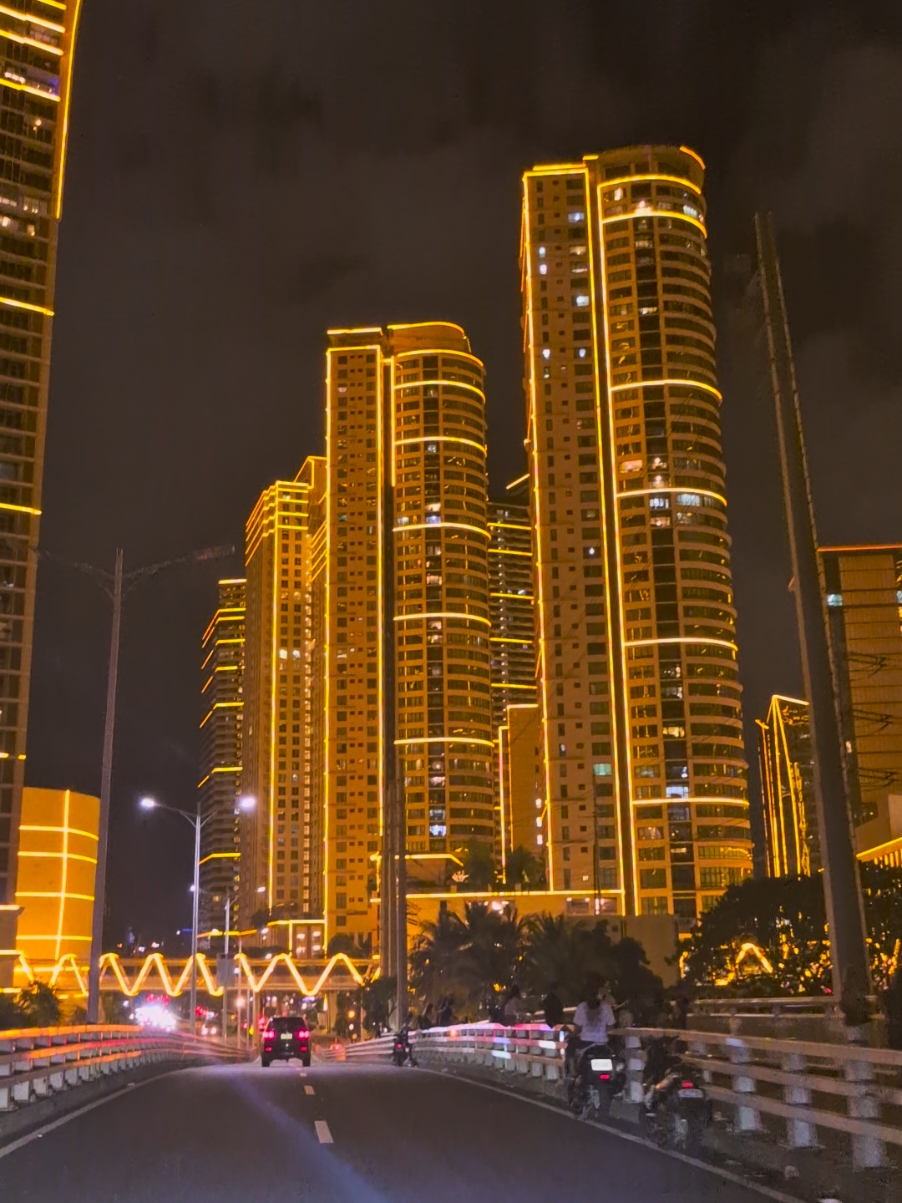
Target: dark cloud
(243, 176)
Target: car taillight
(686, 1085)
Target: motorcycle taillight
(686, 1085)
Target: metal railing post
(800, 1134)
(748, 1117)
(868, 1152)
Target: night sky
(242, 176)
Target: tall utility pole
(117, 586)
(842, 887)
(106, 777)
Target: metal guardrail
(801, 1094)
(36, 1063)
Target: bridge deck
(367, 1134)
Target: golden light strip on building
(649, 177)
(19, 509)
(649, 212)
(31, 19)
(627, 838)
(680, 639)
(672, 489)
(533, 436)
(65, 873)
(441, 438)
(683, 382)
(328, 788)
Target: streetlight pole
(197, 821)
(225, 955)
(195, 909)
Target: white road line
(11, 1147)
(322, 1131)
(768, 1191)
(308, 1090)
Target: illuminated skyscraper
(638, 685)
(222, 679)
(790, 817)
(37, 40)
(281, 838)
(864, 608)
(408, 610)
(513, 640)
(511, 602)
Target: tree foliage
(478, 866)
(478, 956)
(785, 918)
(524, 868)
(36, 1006)
(378, 1003)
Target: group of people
(596, 1013)
(429, 1017)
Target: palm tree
(524, 868)
(435, 960)
(555, 954)
(491, 952)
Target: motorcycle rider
(593, 1017)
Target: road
(337, 1133)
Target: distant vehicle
(401, 1050)
(284, 1037)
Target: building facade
(57, 868)
(638, 683)
(37, 42)
(792, 845)
(222, 696)
(511, 602)
(407, 612)
(864, 609)
(280, 837)
(521, 787)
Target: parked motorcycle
(677, 1107)
(599, 1076)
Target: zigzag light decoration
(155, 964)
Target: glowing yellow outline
(640, 213)
(619, 388)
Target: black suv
(285, 1036)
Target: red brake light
(686, 1085)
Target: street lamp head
(148, 804)
(247, 802)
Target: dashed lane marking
(308, 1090)
(322, 1131)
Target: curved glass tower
(639, 690)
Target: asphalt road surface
(337, 1133)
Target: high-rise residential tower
(511, 601)
(222, 694)
(281, 837)
(790, 820)
(638, 684)
(864, 608)
(513, 640)
(407, 614)
(37, 41)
